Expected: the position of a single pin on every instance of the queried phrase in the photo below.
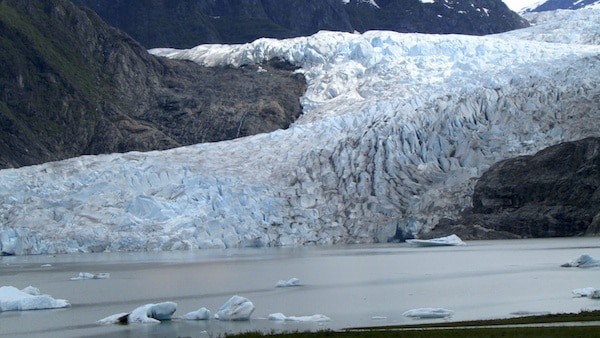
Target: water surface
(353, 285)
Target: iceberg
(313, 318)
(236, 308)
(451, 240)
(428, 313)
(288, 283)
(583, 261)
(88, 275)
(200, 314)
(149, 313)
(589, 292)
(13, 299)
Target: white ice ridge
(395, 129)
(562, 26)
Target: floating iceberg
(588, 292)
(87, 275)
(149, 313)
(236, 308)
(428, 312)
(583, 261)
(200, 314)
(451, 240)
(13, 299)
(314, 318)
(291, 282)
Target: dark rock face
(72, 85)
(552, 5)
(476, 17)
(188, 23)
(553, 193)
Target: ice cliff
(395, 129)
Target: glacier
(396, 129)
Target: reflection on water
(354, 285)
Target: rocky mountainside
(73, 85)
(187, 23)
(552, 5)
(554, 193)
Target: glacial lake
(355, 285)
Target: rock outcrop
(72, 85)
(185, 23)
(552, 5)
(554, 193)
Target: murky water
(353, 285)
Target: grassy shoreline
(583, 324)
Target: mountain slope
(396, 128)
(551, 5)
(184, 23)
(72, 85)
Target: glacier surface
(395, 130)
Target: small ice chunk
(87, 275)
(291, 282)
(200, 314)
(13, 299)
(277, 316)
(583, 261)
(149, 313)
(451, 240)
(428, 312)
(583, 292)
(313, 318)
(236, 308)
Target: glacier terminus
(396, 128)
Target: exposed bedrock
(554, 193)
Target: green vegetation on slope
(48, 49)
